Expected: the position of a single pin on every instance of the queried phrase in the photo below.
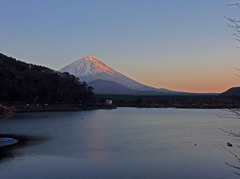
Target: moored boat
(7, 141)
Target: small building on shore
(108, 102)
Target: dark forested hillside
(23, 82)
(234, 92)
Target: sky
(180, 45)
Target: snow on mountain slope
(90, 68)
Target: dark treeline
(191, 101)
(21, 82)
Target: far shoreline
(178, 102)
(56, 108)
(9, 110)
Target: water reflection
(6, 154)
(10, 152)
(122, 143)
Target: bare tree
(234, 25)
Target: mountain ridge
(90, 68)
(233, 91)
(109, 87)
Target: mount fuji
(106, 80)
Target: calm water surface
(121, 143)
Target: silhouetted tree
(22, 82)
(234, 24)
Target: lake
(121, 143)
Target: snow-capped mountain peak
(86, 66)
(90, 68)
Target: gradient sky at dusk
(181, 45)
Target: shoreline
(66, 109)
(11, 109)
(189, 102)
(178, 102)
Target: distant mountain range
(234, 91)
(106, 80)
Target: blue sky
(180, 45)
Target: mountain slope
(234, 91)
(109, 87)
(90, 68)
(28, 83)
